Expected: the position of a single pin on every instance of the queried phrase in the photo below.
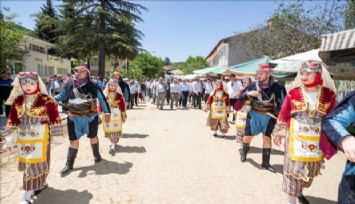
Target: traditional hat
(27, 77)
(310, 66)
(82, 68)
(264, 68)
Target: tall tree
(166, 61)
(108, 26)
(10, 37)
(46, 25)
(350, 15)
(294, 28)
(193, 63)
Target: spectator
(5, 87)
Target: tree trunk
(102, 45)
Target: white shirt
(132, 88)
(184, 87)
(160, 87)
(174, 88)
(208, 87)
(234, 88)
(196, 87)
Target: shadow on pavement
(51, 195)
(317, 200)
(130, 149)
(135, 108)
(135, 135)
(260, 150)
(278, 167)
(103, 168)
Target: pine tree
(46, 27)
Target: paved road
(167, 156)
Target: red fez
(264, 68)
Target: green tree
(350, 15)
(109, 26)
(10, 37)
(193, 63)
(167, 61)
(146, 65)
(46, 23)
(293, 28)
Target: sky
(178, 29)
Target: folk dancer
(218, 104)
(310, 99)
(266, 97)
(241, 110)
(35, 117)
(339, 127)
(83, 116)
(115, 99)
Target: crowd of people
(306, 118)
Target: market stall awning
(291, 64)
(247, 68)
(215, 70)
(338, 47)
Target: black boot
(302, 199)
(266, 160)
(70, 160)
(244, 151)
(95, 151)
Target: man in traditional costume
(218, 104)
(35, 116)
(339, 127)
(83, 115)
(266, 97)
(241, 109)
(113, 128)
(310, 99)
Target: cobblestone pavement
(167, 156)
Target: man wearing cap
(266, 97)
(83, 116)
(233, 87)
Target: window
(36, 48)
(94, 62)
(49, 70)
(40, 70)
(62, 71)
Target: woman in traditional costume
(35, 117)
(115, 99)
(241, 109)
(310, 99)
(218, 104)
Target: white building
(38, 60)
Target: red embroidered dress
(35, 123)
(299, 122)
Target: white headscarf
(17, 90)
(107, 88)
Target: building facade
(231, 51)
(37, 59)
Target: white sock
(113, 145)
(292, 200)
(27, 195)
(215, 132)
